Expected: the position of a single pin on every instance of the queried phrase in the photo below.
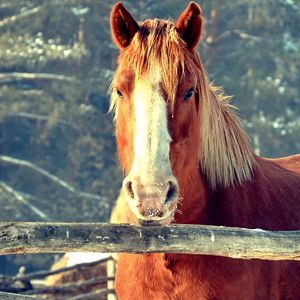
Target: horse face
(144, 146)
(153, 135)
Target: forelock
(158, 43)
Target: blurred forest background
(57, 148)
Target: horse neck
(194, 194)
(268, 200)
(203, 204)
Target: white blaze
(152, 139)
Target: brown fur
(220, 179)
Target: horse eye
(188, 94)
(119, 94)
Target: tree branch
(68, 287)
(24, 283)
(232, 33)
(194, 239)
(17, 76)
(78, 267)
(92, 296)
(11, 296)
(20, 197)
(57, 180)
(37, 117)
(22, 15)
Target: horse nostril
(129, 190)
(172, 192)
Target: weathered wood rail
(11, 296)
(231, 242)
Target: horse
(187, 160)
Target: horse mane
(225, 155)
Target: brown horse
(188, 160)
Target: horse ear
(189, 25)
(123, 26)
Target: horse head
(155, 96)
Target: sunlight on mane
(225, 155)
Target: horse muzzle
(153, 203)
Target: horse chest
(155, 276)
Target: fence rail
(28, 237)
(11, 296)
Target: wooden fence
(231, 242)
(241, 243)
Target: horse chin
(146, 223)
(164, 220)
(156, 222)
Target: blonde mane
(225, 155)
